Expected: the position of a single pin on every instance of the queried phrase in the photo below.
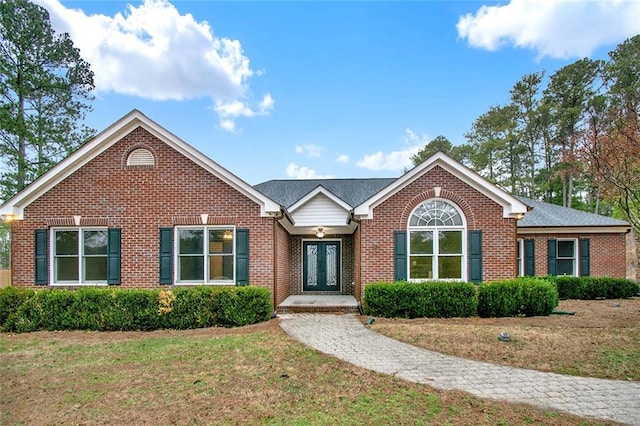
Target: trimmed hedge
(415, 300)
(119, 309)
(522, 296)
(589, 288)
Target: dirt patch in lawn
(601, 339)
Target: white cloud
(310, 150)
(303, 172)
(153, 52)
(555, 28)
(343, 159)
(395, 160)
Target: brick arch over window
(444, 194)
(142, 152)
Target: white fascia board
(511, 206)
(573, 230)
(319, 190)
(108, 137)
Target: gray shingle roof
(355, 191)
(550, 215)
(351, 191)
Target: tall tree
(492, 139)
(439, 143)
(525, 98)
(45, 90)
(569, 94)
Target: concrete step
(318, 304)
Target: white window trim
(81, 272)
(205, 229)
(575, 256)
(435, 256)
(522, 257)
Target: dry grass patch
(249, 375)
(602, 339)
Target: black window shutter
(529, 257)
(113, 256)
(552, 257)
(166, 256)
(242, 257)
(400, 255)
(475, 256)
(584, 258)
(41, 242)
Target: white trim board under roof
(511, 206)
(15, 206)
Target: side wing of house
(438, 221)
(138, 207)
(555, 240)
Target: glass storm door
(321, 266)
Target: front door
(321, 266)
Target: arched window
(141, 157)
(436, 242)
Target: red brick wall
(140, 200)
(283, 248)
(605, 253)
(498, 234)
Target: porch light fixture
(320, 233)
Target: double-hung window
(436, 242)
(566, 257)
(80, 255)
(205, 254)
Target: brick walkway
(344, 337)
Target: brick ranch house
(138, 207)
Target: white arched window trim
(432, 258)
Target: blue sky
(277, 90)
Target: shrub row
(526, 296)
(522, 296)
(415, 300)
(590, 288)
(102, 309)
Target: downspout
(350, 219)
(282, 214)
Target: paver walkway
(344, 337)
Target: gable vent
(141, 157)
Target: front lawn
(249, 375)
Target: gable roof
(545, 215)
(289, 192)
(511, 206)
(108, 137)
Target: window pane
(450, 267)
(566, 248)
(450, 242)
(421, 267)
(565, 267)
(220, 241)
(66, 243)
(421, 242)
(66, 269)
(191, 241)
(95, 242)
(220, 268)
(191, 268)
(95, 268)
